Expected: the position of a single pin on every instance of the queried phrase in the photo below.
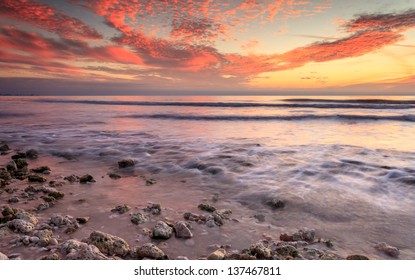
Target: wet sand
(237, 233)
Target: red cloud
(384, 22)
(45, 17)
(371, 34)
(52, 50)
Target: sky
(256, 46)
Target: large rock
(151, 251)
(206, 207)
(44, 236)
(11, 166)
(59, 220)
(21, 226)
(5, 175)
(26, 216)
(260, 251)
(182, 230)
(387, 249)
(109, 244)
(32, 154)
(41, 169)
(138, 218)
(4, 148)
(76, 250)
(307, 235)
(162, 231)
(126, 163)
(34, 178)
(219, 254)
(3, 257)
(86, 179)
(357, 257)
(121, 209)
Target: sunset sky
(145, 46)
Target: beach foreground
(200, 186)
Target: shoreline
(70, 215)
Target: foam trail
(236, 104)
(402, 118)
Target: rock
(150, 251)
(219, 254)
(18, 156)
(260, 251)
(27, 217)
(121, 209)
(43, 206)
(357, 257)
(5, 175)
(5, 231)
(82, 220)
(387, 249)
(224, 213)
(59, 220)
(191, 217)
(4, 148)
(3, 183)
(162, 231)
(109, 244)
(32, 154)
(72, 178)
(21, 226)
(49, 199)
(329, 257)
(154, 208)
(76, 250)
(126, 163)
(210, 223)
(36, 178)
(3, 257)
(213, 170)
(114, 176)
(304, 235)
(287, 250)
(206, 207)
(53, 242)
(218, 219)
(11, 166)
(182, 258)
(275, 203)
(13, 199)
(32, 189)
(41, 169)
(7, 211)
(150, 182)
(34, 239)
(44, 236)
(138, 218)
(182, 230)
(52, 257)
(242, 256)
(86, 179)
(21, 163)
(286, 237)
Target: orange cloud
(47, 18)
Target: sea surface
(344, 166)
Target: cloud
(38, 50)
(47, 18)
(395, 22)
(369, 33)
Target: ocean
(344, 166)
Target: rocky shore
(27, 190)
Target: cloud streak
(47, 18)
